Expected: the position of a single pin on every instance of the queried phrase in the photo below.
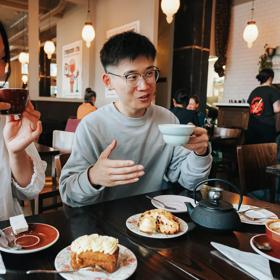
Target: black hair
(264, 75)
(89, 93)
(126, 45)
(195, 98)
(7, 56)
(182, 97)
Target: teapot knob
(215, 194)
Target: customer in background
(264, 104)
(180, 102)
(194, 104)
(22, 172)
(88, 105)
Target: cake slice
(95, 250)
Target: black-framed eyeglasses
(150, 76)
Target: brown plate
(38, 237)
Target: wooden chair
(252, 162)
(72, 124)
(53, 196)
(224, 142)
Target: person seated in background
(194, 104)
(264, 105)
(118, 150)
(180, 102)
(88, 105)
(22, 172)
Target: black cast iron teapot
(213, 212)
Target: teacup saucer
(273, 254)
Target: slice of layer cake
(158, 220)
(95, 250)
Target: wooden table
(185, 257)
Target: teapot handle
(221, 181)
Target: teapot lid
(221, 205)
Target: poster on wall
(132, 26)
(72, 70)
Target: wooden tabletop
(46, 150)
(185, 257)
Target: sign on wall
(72, 70)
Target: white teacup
(176, 134)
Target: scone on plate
(158, 220)
(95, 250)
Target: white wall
(242, 64)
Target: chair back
(252, 162)
(63, 140)
(60, 161)
(72, 124)
(225, 132)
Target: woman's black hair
(264, 75)
(7, 55)
(89, 93)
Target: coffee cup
(272, 228)
(16, 97)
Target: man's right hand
(111, 173)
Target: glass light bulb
(88, 33)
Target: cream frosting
(96, 243)
(148, 224)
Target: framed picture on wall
(72, 70)
(132, 26)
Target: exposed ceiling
(14, 16)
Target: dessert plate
(254, 215)
(127, 264)
(132, 225)
(176, 201)
(273, 254)
(38, 237)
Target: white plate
(132, 225)
(127, 264)
(271, 255)
(46, 234)
(263, 215)
(176, 201)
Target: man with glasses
(118, 150)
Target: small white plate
(132, 225)
(272, 255)
(176, 201)
(46, 234)
(127, 264)
(263, 215)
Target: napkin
(2, 266)
(256, 265)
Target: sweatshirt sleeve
(75, 187)
(188, 168)
(38, 178)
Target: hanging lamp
(251, 32)
(49, 46)
(88, 33)
(24, 56)
(170, 7)
(24, 79)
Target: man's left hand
(198, 141)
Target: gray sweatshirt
(138, 139)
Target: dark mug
(16, 97)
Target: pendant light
(88, 33)
(24, 79)
(251, 32)
(49, 46)
(24, 56)
(170, 7)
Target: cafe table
(186, 257)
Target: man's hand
(18, 134)
(110, 173)
(198, 141)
